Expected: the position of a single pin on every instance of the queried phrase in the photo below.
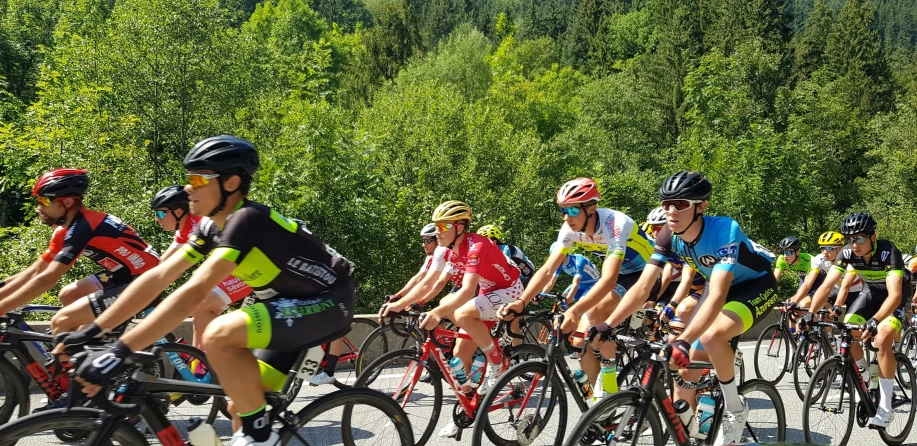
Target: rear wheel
(766, 421)
(42, 428)
(772, 354)
(380, 341)
(614, 420)
(381, 421)
(902, 403)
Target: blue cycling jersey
(722, 246)
(579, 265)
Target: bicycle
(138, 388)
(398, 374)
(840, 373)
(775, 346)
(815, 346)
(633, 416)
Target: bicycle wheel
(393, 374)
(41, 429)
(766, 417)
(806, 358)
(537, 331)
(380, 341)
(381, 421)
(345, 373)
(902, 403)
(828, 409)
(13, 392)
(614, 419)
(908, 347)
(772, 353)
(632, 372)
(519, 410)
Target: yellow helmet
(452, 211)
(491, 231)
(647, 228)
(831, 238)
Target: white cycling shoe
(734, 425)
(882, 419)
(239, 439)
(321, 379)
(450, 431)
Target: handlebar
(135, 361)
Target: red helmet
(60, 183)
(580, 190)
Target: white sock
(886, 387)
(731, 396)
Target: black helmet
(172, 197)
(790, 243)
(686, 186)
(858, 223)
(223, 154)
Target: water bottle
(477, 369)
(202, 434)
(683, 409)
(873, 375)
(580, 377)
(458, 369)
(704, 418)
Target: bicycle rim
(902, 403)
(771, 354)
(44, 428)
(381, 421)
(766, 422)
(614, 420)
(828, 409)
(345, 373)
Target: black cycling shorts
(870, 300)
(626, 281)
(752, 299)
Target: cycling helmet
(831, 238)
(906, 258)
(858, 223)
(579, 190)
(790, 244)
(171, 197)
(685, 186)
(223, 154)
(428, 230)
(60, 183)
(656, 216)
(647, 228)
(491, 231)
(452, 210)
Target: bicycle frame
(851, 371)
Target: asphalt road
(326, 431)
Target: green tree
(810, 45)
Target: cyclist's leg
(85, 310)
(484, 307)
(858, 312)
(71, 292)
(215, 303)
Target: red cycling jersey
(478, 255)
(104, 239)
(234, 288)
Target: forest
(369, 113)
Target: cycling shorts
(626, 281)
(832, 297)
(580, 291)
(104, 280)
(820, 279)
(103, 299)
(489, 303)
(751, 300)
(868, 303)
(232, 290)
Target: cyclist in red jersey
(78, 232)
(171, 207)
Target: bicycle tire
(381, 341)
(903, 362)
(360, 329)
(585, 427)
(537, 331)
(632, 372)
(350, 398)
(422, 431)
(827, 371)
(773, 395)
(526, 371)
(803, 366)
(13, 385)
(773, 332)
(76, 419)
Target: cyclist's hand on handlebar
(508, 312)
(869, 329)
(790, 305)
(73, 342)
(571, 320)
(100, 367)
(835, 311)
(680, 353)
(804, 322)
(668, 312)
(429, 321)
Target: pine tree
(854, 54)
(811, 43)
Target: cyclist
(880, 307)
(594, 229)
(807, 266)
(584, 273)
(306, 289)
(739, 292)
(671, 274)
(830, 244)
(526, 267)
(172, 214)
(428, 242)
(78, 231)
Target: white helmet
(907, 258)
(429, 230)
(656, 217)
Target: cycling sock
(886, 386)
(731, 396)
(331, 365)
(255, 424)
(609, 378)
(494, 355)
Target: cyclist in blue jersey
(740, 290)
(584, 273)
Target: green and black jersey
(276, 256)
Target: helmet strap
(588, 217)
(457, 235)
(177, 218)
(224, 195)
(693, 220)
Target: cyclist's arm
(711, 308)
(169, 251)
(428, 288)
(453, 301)
(12, 283)
(34, 287)
(175, 308)
(844, 291)
(806, 285)
(894, 282)
(684, 287)
(574, 286)
(666, 277)
(634, 298)
(605, 285)
(821, 296)
(550, 285)
(544, 275)
(144, 289)
(777, 273)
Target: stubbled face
(52, 213)
(204, 199)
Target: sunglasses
(858, 239)
(427, 240)
(572, 211)
(788, 252)
(443, 227)
(197, 180)
(827, 248)
(160, 214)
(44, 201)
(678, 205)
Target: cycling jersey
(804, 264)
(825, 266)
(526, 267)
(104, 239)
(231, 289)
(441, 261)
(885, 262)
(578, 265)
(616, 235)
(426, 263)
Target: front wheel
(828, 409)
(808, 355)
(772, 353)
(41, 428)
(381, 421)
(766, 422)
(614, 420)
